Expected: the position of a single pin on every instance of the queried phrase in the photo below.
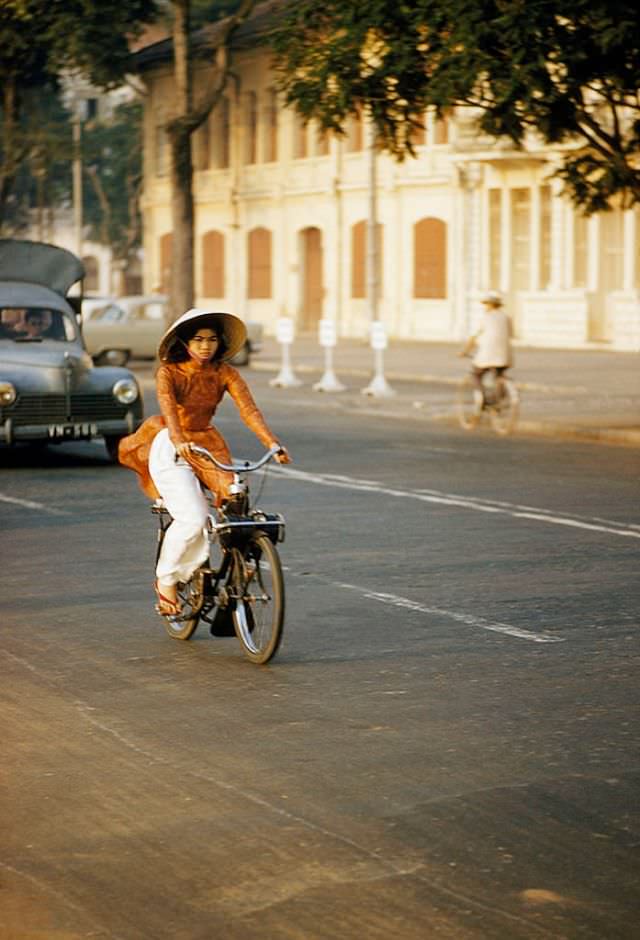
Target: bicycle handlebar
(245, 466)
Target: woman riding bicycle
(190, 383)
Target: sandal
(165, 606)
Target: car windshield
(110, 313)
(36, 324)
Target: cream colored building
(281, 226)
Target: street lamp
(372, 55)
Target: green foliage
(571, 74)
(112, 160)
(93, 36)
(45, 36)
(43, 176)
(40, 40)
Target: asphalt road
(446, 745)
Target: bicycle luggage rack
(230, 529)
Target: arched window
(259, 256)
(165, 262)
(213, 264)
(359, 259)
(91, 273)
(430, 259)
(312, 277)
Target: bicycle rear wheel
(504, 413)
(469, 405)
(258, 591)
(191, 596)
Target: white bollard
(378, 387)
(286, 377)
(327, 339)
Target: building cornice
(254, 31)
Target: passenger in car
(10, 320)
(35, 324)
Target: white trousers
(185, 546)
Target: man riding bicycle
(491, 343)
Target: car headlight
(125, 391)
(7, 393)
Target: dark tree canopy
(41, 39)
(568, 73)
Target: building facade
(281, 226)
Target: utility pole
(378, 387)
(77, 176)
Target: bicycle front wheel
(469, 404)
(258, 591)
(504, 413)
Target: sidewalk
(586, 394)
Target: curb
(595, 435)
(270, 365)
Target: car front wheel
(111, 442)
(112, 357)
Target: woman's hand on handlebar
(184, 449)
(283, 455)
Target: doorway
(312, 286)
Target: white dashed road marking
(516, 511)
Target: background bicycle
(497, 397)
(240, 589)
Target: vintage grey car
(118, 329)
(50, 391)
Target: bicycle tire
(504, 413)
(191, 596)
(468, 410)
(257, 586)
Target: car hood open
(39, 263)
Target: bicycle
(500, 401)
(244, 592)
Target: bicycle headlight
(125, 391)
(7, 393)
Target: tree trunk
(180, 129)
(181, 292)
(10, 160)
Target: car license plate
(72, 432)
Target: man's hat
(492, 297)
(228, 327)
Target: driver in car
(35, 325)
